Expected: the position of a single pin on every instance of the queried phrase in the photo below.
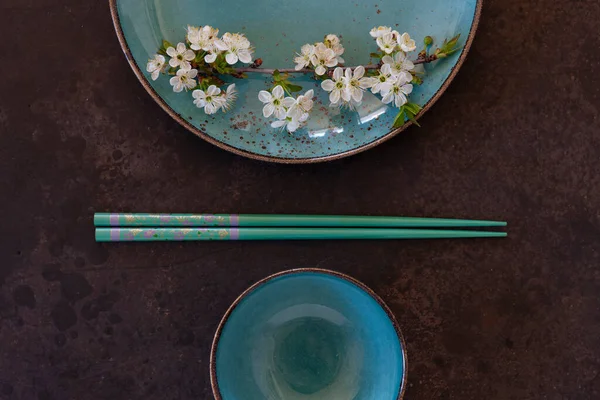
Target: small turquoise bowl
(308, 334)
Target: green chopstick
(274, 220)
(187, 234)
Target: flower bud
(428, 40)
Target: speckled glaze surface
(142, 24)
(308, 334)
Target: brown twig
(270, 71)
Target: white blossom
(355, 83)
(290, 113)
(155, 66)
(184, 79)
(336, 87)
(211, 57)
(333, 42)
(387, 42)
(204, 39)
(379, 31)
(397, 92)
(290, 122)
(400, 65)
(302, 105)
(211, 100)
(236, 47)
(180, 56)
(406, 43)
(383, 81)
(303, 59)
(323, 58)
(192, 33)
(230, 96)
(275, 103)
(338, 49)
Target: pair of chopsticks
(115, 227)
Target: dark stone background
(515, 137)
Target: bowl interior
(308, 336)
(278, 29)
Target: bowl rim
(213, 350)
(309, 160)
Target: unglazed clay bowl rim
(213, 351)
(182, 121)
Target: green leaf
(204, 84)
(228, 69)
(407, 111)
(411, 110)
(416, 80)
(412, 119)
(276, 75)
(375, 55)
(285, 86)
(414, 108)
(452, 42)
(166, 44)
(448, 47)
(200, 57)
(293, 88)
(400, 118)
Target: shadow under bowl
(308, 334)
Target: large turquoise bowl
(308, 334)
(278, 29)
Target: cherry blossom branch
(199, 67)
(256, 67)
